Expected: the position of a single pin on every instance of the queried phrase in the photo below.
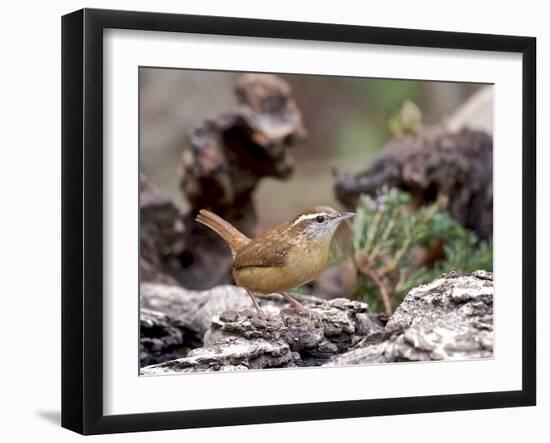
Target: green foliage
(407, 121)
(391, 242)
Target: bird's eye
(319, 219)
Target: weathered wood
(448, 319)
(455, 166)
(162, 234)
(241, 340)
(454, 162)
(164, 338)
(193, 309)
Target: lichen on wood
(242, 340)
(448, 319)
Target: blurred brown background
(346, 119)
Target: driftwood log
(450, 318)
(227, 157)
(242, 340)
(175, 319)
(454, 162)
(455, 166)
(194, 314)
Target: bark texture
(193, 309)
(162, 230)
(164, 338)
(448, 319)
(240, 340)
(454, 166)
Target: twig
(378, 281)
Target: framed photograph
(269, 221)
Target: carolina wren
(281, 258)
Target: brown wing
(267, 250)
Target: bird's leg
(259, 310)
(298, 307)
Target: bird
(286, 256)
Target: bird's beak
(345, 215)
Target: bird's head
(318, 223)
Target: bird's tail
(232, 236)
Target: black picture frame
(82, 220)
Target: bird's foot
(261, 313)
(264, 315)
(304, 311)
(298, 307)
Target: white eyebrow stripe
(309, 217)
